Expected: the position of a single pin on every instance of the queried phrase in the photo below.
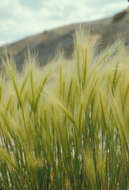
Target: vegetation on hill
(68, 128)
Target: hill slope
(46, 44)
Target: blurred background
(21, 18)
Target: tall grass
(67, 129)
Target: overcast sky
(20, 18)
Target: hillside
(47, 43)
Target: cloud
(32, 4)
(115, 7)
(19, 18)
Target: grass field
(66, 126)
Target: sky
(21, 18)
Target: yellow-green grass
(66, 126)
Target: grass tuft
(68, 128)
